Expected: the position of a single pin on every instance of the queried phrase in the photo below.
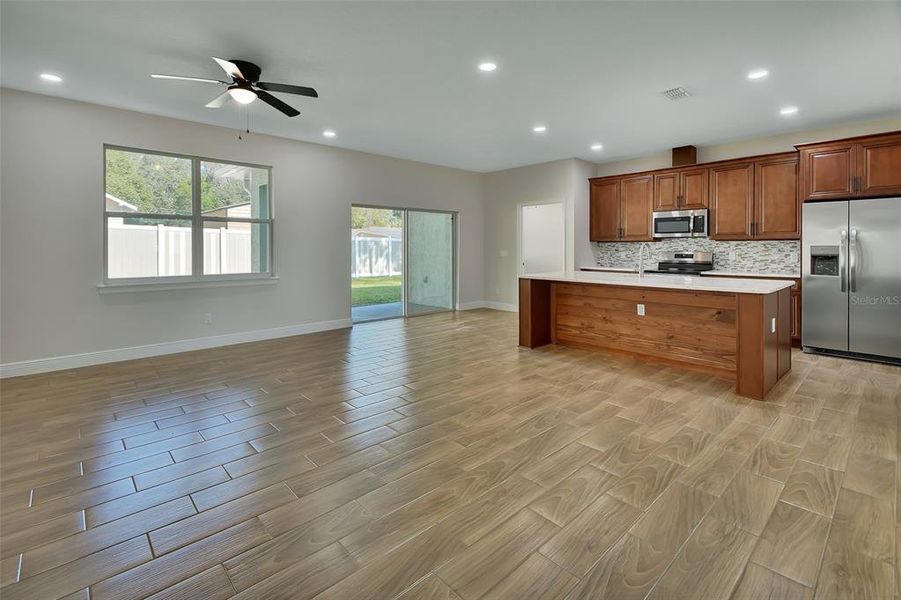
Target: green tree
(162, 184)
(361, 217)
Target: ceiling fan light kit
(247, 87)
(242, 95)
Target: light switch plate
(640, 309)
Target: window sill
(124, 288)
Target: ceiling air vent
(676, 93)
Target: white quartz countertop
(721, 273)
(612, 269)
(672, 282)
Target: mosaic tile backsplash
(783, 256)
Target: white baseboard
(471, 305)
(501, 306)
(488, 304)
(73, 361)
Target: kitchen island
(733, 328)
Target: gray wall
(558, 181)
(50, 236)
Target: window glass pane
(234, 247)
(234, 191)
(147, 183)
(147, 247)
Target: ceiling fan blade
(288, 89)
(276, 103)
(180, 78)
(230, 68)
(218, 101)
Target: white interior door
(541, 238)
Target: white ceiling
(400, 79)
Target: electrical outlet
(208, 318)
(640, 309)
(731, 254)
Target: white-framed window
(173, 218)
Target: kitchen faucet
(641, 258)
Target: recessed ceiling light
(51, 77)
(539, 128)
(487, 67)
(758, 74)
(329, 133)
(788, 110)
(597, 147)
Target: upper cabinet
(620, 208)
(755, 200)
(864, 167)
(694, 189)
(731, 201)
(680, 190)
(667, 187)
(879, 166)
(604, 210)
(777, 212)
(636, 207)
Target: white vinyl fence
(374, 257)
(163, 251)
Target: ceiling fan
(247, 87)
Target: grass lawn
(375, 290)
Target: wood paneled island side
(731, 328)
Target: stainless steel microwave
(680, 223)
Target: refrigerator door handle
(842, 266)
(852, 261)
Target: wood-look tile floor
(432, 458)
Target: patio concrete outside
(391, 310)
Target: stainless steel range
(684, 263)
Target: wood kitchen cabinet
(777, 212)
(636, 208)
(684, 189)
(863, 167)
(879, 166)
(796, 318)
(620, 208)
(604, 210)
(755, 200)
(794, 306)
(731, 201)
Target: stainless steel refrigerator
(851, 278)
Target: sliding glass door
(402, 262)
(429, 280)
(377, 263)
